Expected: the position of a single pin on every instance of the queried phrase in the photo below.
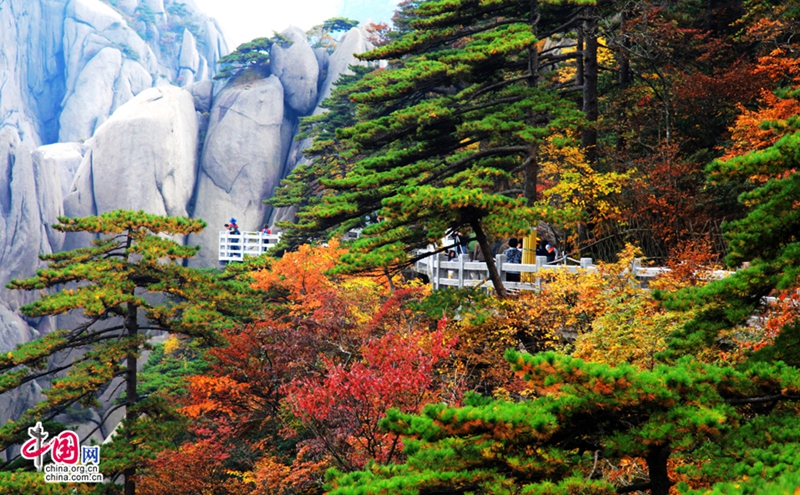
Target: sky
(243, 20)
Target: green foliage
(169, 366)
(543, 444)
(433, 142)
(251, 55)
(130, 279)
(322, 35)
(27, 483)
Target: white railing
(237, 247)
(461, 272)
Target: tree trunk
(132, 329)
(494, 275)
(624, 71)
(532, 169)
(623, 74)
(579, 69)
(589, 133)
(657, 466)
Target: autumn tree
(764, 244)
(127, 284)
(303, 388)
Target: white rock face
(353, 42)
(93, 30)
(64, 158)
(189, 59)
(97, 40)
(132, 80)
(31, 84)
(201, 92)
(142, 158)
(127, 6)
(298, 71)
(93, 96)
(30, 200)
(241, 162)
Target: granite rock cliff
(107, 107)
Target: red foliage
(343, 408)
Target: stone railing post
(461, 259)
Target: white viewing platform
(237, 247)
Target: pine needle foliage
(582, 411)
(438, 140)
(764, 244)
(129, 282)
(253, 54)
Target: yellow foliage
(575, 185)
(171, 345)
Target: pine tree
(583, 414)
(129, 282)
(443, 136)
(722, 422)
(764, 243)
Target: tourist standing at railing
(458, 239)
(477, 253)
(552, 254)
(233, 229)
(541, 249)
(513, 256)
(264, 233)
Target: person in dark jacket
(552, 253)
(513, 256)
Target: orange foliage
(747, 133)
(303, 389)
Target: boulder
(189, 59)
(353, 42)
(201, 92)
(142, 158)
(132, 80)
(64, 158)
(297, 68)
(241, 161)
(323, 60)
(93, 96)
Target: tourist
(458, 239)
(513, 255)
(264, 233)
(541, 249)
(552, 254)
(233, 229)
